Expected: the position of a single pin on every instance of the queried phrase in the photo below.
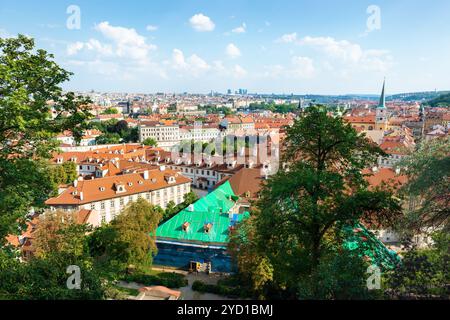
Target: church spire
(382, 103)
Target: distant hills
(442, 100)
(422, 97)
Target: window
(93, 206)
(112, 203)
(102, 205)
(121, 201)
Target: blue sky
(322, 47)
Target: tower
(381, 112)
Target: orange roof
(105, 188)
(370, 119)
(83, 216)
(247, 180)
(384, 175)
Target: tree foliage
(150, 142)
(33, 109)
(130, 238)
(428, 185)
(302, 209)
(58, 242)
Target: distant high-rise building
(242, 91)
(229, 91)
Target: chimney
(397, 171)
(146, 175)
(81, 196)
(375, 169)
(75, 183)
(162, 168)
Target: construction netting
(361, 239)
(207, 221)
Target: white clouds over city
(123, 51)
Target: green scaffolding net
(206, 222)
(361, 239)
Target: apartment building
(108, 196)
(205, 173)
(165, 134)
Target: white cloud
(194, 65)
(151, 28)
(201, 23)
(343, 49)
(129, 44)
(232, 51)
(302, 67)
(197, 63)
(178, 59)
(240, 29)
(103, 49)
(239, 72)
(73, 48)
(288, 38)
(350, 54)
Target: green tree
(108, 138)
(111, 111)
(33, 109)
(302, 209)
(428, 186)
(57, 175)
(70, 169)
(189, 198)
(59, 233)
(150, 142)
(58, 242)
(46, 278)
(130, 238)
(423, 273)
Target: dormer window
(170, 179)
(102, 188)
(207, 227)
(59, 160)
(130, 184)
(140, 182)
(185, 226)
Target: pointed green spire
(382, 103)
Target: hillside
(442, 100)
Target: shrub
(222, 288)
(166, 279)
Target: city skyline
(301, 48)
